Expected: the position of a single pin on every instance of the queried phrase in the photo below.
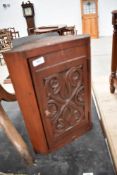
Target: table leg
(10, 130)
(114, 61)
(14, 137)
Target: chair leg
(14, 137)
(4, 95)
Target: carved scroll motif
(65, 96)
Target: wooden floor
(106, 102)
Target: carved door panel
(62, 98)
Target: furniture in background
(46, 29)
(14, 34)
(69, 30)
(113, 76)
(5, 42)
(51, 78)
(6, 38)
(60, 29)
(10, 130)
(28, 12)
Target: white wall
(55, 12)
(105, 17)
(46, 13)
(12, 16)
(58, 12)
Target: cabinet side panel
(20, 76)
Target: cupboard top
(27, 44)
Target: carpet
(87, 154)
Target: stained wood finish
(90, 20)
(30, 25)
(30, 18)
(4, 95)
(54, 95)
(47, 29)
(60, 29)
(10, 130)
(15, 137)
(113, 77)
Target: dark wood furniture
(113, 77)
(29, 14)
(5, 39)
(51, 78)
(69, 30)
(46, 29)
(14, 34)
(60, 29)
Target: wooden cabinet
(51, 77)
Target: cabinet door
(62, 95)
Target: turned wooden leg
(113, 78)
(10, 130)
(14, 137)
(4, 95)
(112, 88)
